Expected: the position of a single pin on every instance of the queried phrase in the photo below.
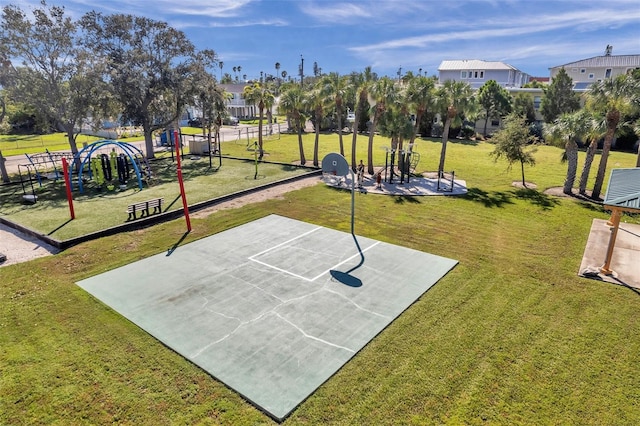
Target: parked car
(195, 122)
(230, 121)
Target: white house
(237, 106)
(477, 73)
(587, 71)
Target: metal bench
(144, 208)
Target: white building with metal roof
(477, 72)
(591, 70)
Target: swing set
(40, 167)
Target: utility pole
(301, 70)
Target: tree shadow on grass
(594, 207)
(288, 168)
(402, 199)
(452, 140)
(467, 142)
(540, 199)
(494, 199)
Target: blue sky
(387, 35)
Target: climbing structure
(104, 166)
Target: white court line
(252, 257)
(345, 261)
(285, 242)
(282, 270)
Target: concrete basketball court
(272, 308)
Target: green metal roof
(624, 188)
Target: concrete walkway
(625, 261)
(416, 186)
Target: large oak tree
(149, 65)
(47, 68)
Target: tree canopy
(612, 98)
(57, 75)
(559, 97)
(494, 100)
(148, 63)
(514, 143)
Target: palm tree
(278, 76)
(611, 98)
(315, 101)
(420, 94)
(382, 92)
(292, 103)
(360, 84)
(566, 129)
(454, 97)
(595, 129)
(334, 88)
(260, 95)
(221, 64)
(396, 124)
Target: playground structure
(47, 165)
(103, 167)
(408, 160)
(448, 184)
(41, 166)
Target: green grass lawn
(98, 208)
(510, 336)
(31, 144)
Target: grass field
(30, 144)
(98, 209)
(511, 336)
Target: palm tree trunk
(354, 139)
(416, 127)
(572, 166)
(3, 170)
(317, 140)
(443, 151)
(303, 160)
(584, 177)
(370, 146)
(602, 167)
(261, 152)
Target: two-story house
(237, 106)
(587, 71)
(477, 73)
